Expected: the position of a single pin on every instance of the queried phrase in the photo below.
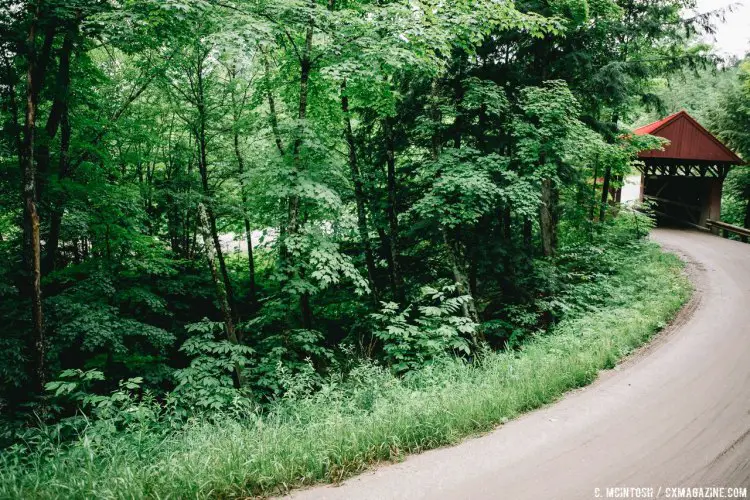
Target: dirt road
(677, 415)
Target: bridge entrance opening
(683, 199)
(683, 182)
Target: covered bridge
(684, 181)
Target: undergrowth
(351, 422)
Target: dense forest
(233, 213)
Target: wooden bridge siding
(687, 141)
(711, 208)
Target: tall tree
(36, 68)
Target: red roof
(647, 129)
(688, 141)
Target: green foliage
(730, 121)
(290, 352)
(550, 136)
(365, 417)
(417, 336)
(95, 320)
(208, 383)
(128, 408)
(736, 197)
(461, 188)
(300, 217)
(73, 383)
(701, 93)
(325, 264)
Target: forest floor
(374, 417)
(674, 415)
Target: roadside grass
(370, 417)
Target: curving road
(676, 415)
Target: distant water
(236, 242)
(631, 189)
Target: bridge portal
(685, 180)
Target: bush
(415, 336)
(347, 422)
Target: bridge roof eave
(690, 144)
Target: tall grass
(349, 425)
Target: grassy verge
(350, 425)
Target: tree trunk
(305, 68)
(605, 193)
(217, 241)
(547, 220)
(53, 239)
(304, 82)
(385, 246)
(272, 108)
(437, 118)
(248, 232)
(359, 195)
(293, 224)
(31, 239)
(392, 213)
(59, 107)
(507, 223)
(76, 251)
(617, 191)
(593, 190)
(527, 230)
(473, 265)
(203, 168)
(57, 115)
(221, 294)
(460, 121)
(607, 175)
